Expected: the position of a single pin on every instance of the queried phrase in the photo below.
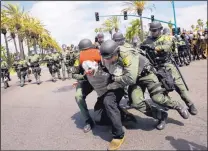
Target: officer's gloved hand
(152, 47)
(111, 79)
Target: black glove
(147, 46)
(112, 79)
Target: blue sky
(70, 21)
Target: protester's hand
(74, 85)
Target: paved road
(47, 117)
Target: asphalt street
(46, 117)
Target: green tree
(137, 7)
(110, 24)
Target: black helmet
(100, 35)
(85, 44)
(108, 49)
(64, 46)
(166, 31)
(135, 39)
(155, 25)
(118, 36)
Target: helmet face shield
(155, 32)
(120, 42)
(110, 59)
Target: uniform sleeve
(76, 74)
(166, 44)
(129, 76)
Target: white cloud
(190, 15)
(70, 21)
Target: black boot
(192, 109)
(183, 111)
(162, 121)
(9, 78)
(159, 114)
(88, 127)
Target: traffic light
(152, 18)
(178, 31)
(125, 15)
(97, 16)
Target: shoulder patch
(126, 61)
(76, 63)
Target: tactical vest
(99, 81)
(162, 56)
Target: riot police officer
(83, 88)
(166, 31)
(34, 61)
(22, 68)
(51, 64)
(161, 44)
(100, 40)
(182, 51)
(57, 58)
(138, 75)
(5, 76)
(70, 59)
(5, 67)
(136, 42)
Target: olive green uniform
(83, 89)
(57, 57)
(163, 43)
(50, 63)
(22, 67)
(134, 74)
(34, 61)
(70, 59)
(5, 67)
(63, 63)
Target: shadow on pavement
(104, 132)
(36, 82)
(182, 144)
(64, 89)
(173, 121)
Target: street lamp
(173, 5)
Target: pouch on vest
(166, 79)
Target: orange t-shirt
(90, 54)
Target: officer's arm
(129, 73)
(76, 71)
(166, 46)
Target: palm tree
(107, 27)
(28, 28)
(200, 23)
(133, 30)
(137, 7)
(96, 30)
(15, 14)
(110, 24)
(4, 21)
